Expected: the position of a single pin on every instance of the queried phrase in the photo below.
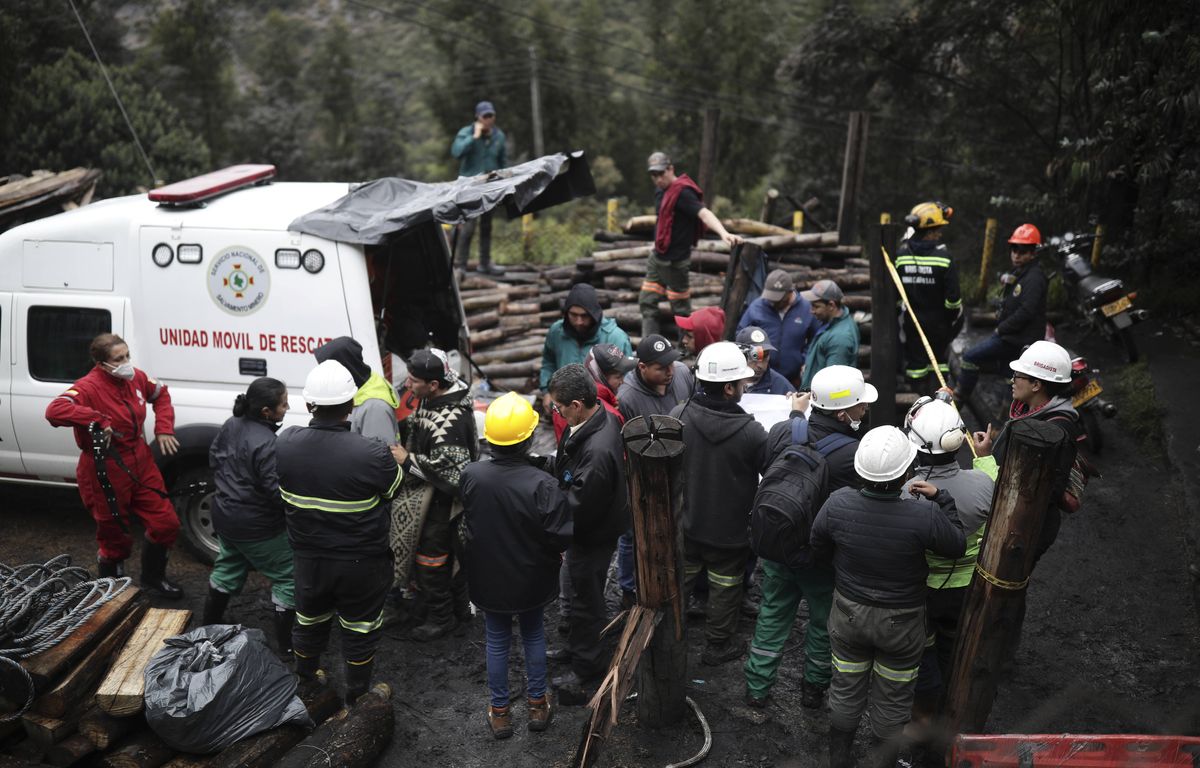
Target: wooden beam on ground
(104, 730)
(45, 731)
(994, 605)
(353, 741)
(50, 665)
(70, 751)
(145, 750)
(74, 689)
(121, 691)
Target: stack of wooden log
(508, 316)
(90, 692)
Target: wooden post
(797, 221)
(527, 234)
(1096, 245)
(768, 206)
(653, 466)
(985, 266)
(743, 260)
(885, 328)
(612, 209)
(708, 155)
(991, 616)
(852, 177)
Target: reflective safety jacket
(930, 279)
(335, 486)
(972, 493)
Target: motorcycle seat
(1092, 284)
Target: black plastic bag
(217, 684)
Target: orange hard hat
(1026, 234)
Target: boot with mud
(812, 696)
(214, 606)
(358, 679)
(437, 593)
(541, 712)
(284, 621)
(841, 748)
(110, 569)
(154, 572)
(500, 721)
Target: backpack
(789, 496)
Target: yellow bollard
(1096, 245)
(989, 245)
(797, 221)
(610, 222)
(885, 218)
(527, 234)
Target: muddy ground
(1110, 641)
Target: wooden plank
(45, 731)
(104, 730)
(145, 750)
(49, 665)
(353, 741)
(70, 751)
(74, 689)
(121, 691)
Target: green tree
(68, 118)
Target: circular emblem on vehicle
(238, 280)
(659, 346)
(757, 337)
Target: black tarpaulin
(385, 206)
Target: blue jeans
(626, 573)
(993, 354)
(498, 629)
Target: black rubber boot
(154, 571)
(110, 569)
(358, 680)
(841, 748)
(214, 606)
(883, 752)
(306, 667)
(283, 630)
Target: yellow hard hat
(509, 420)
(928, 215)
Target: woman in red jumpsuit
(114, 395)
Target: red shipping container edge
(1074, 750)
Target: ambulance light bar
(196, 190)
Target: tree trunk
(353, 741)
(885, 325)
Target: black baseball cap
(752, 334)
(657, 349)
(611, 359)
(430, 365)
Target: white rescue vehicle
(211, 287)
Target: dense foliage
(1064, 112)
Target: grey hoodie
(635, 398)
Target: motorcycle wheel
(1129, 343)
(1091, 426)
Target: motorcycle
(1085, 397)
(1102, 301)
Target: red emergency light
(201, 188)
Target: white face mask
(856, 425)
(122, 371)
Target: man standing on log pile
(440, 439)
(937, 430)
(682, 219)
(725, 451)
(877, 542)
(930, 279)
(335, 485)
(658, 383)
(480, 148)
(787, 319)
(583, 325)
(836, 340)
(590, 468)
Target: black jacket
(516, 524)
(335, 485)
(724, 452)
(877, 543)
(841, 462)
(1022, 318)
(590, 468)
(246, 506)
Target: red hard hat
(1026, 234)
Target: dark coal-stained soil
(1110, 642)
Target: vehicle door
(50, 344)
(10, 452)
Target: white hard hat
(329, 384)
(1044, 360)
(840, 386)
(884, 454)
(935, 426)
(723, 361)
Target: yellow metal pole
(985, 266)
(610, 222)
(887, 260)
(797, 221)
(527, 234)
(1096, 245)
(885, 218)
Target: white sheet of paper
(767, 410)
